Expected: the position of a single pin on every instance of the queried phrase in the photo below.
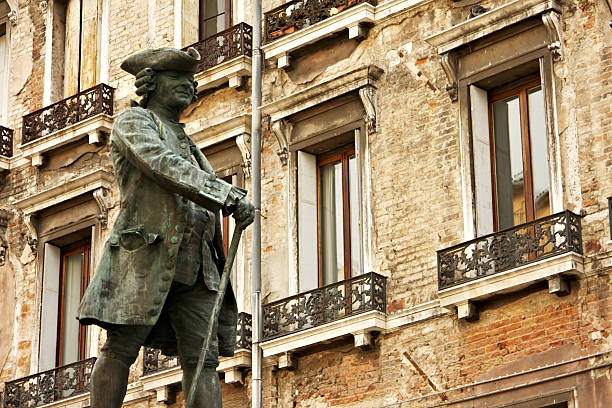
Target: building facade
(436, 196)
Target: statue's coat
(138, 261)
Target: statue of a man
(159, 272)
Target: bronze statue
(158, 275)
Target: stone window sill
(231, 72)
(552, 269)
(354, 19)
(94, 129)
(359, 326)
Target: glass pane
(539, 152)
(213, 18)
(354, 216)
(330, 207)
(510, 184)
(71, 299)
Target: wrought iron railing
(49, 386)
(154, 360)
(66, 112)
(225, 45)
(6, 141)
(333, 302)
(513, 247)
(297, 14)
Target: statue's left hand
(244, 213)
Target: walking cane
(215, 312)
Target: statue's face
(174, 89)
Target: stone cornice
(487, 23)
(316, 94)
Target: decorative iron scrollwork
(49, 386)
(297, 14)
(69, 111)
(225, 45)
(154, 360)
(333, 302)
(494, 253)
(6, 141)
(244, 335)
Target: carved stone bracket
(449, 65)
(282, 131)
(368, 98)
(12, 17)
(552, 22)
(244, 145)
(30, 222)
(4, 217)
(44, 5)
(102, 197)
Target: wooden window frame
(71, 250)
(520, 88)
(341, 154)
(202, 21)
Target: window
(510, 149)
(338, 216)
(4, 57)
(74, 276)
(75, 52)
(519, 162)
(329, 213)
(215, 16)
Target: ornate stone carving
(244, 145)
(282, 131)
(44, 5)
(102, 197)
(12, 17)
(368, 98)
(449, 65)
(30, 222)
(552, 22)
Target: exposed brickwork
(417, 209)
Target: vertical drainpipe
(256, 388)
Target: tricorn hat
(163, 59)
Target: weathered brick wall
(416, 207)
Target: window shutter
(50, 302)
(479, 108)
(307, 221)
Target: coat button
(174, 240)
(164, 288)
(165, 276)
(169, 265)
(179, 228)
(157, 300)
(183, 145)
(171, 252)
(152, 312)
(114, 241)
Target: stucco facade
(396, 84)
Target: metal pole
(256, 356)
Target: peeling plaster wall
(416, 207)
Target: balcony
(49, 386)
(355, 306)
(6, 148)
(226, 57)
(86, 114)
(6, 141)
(549, 249)
(159, 371)
(312, 20)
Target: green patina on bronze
(164, 181)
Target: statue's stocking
(209, 389)
(108, 382)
